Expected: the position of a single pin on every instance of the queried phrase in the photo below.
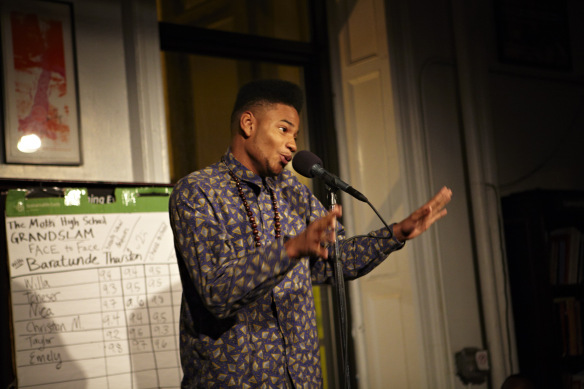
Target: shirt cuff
(398, 244)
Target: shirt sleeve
(359, 254)
(224, 279)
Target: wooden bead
(252, 220)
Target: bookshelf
(544, 238)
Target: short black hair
(518, 381)
(266, 92)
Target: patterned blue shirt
(248, 317)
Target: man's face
(272, 139)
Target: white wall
(401, 137)
(389, 346)
(438, 50)
(503, 128)
(123, 138)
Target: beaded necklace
(251, 218)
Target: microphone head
(303, 162)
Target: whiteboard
(95, 295)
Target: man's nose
(292, 145)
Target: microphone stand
(340, 296)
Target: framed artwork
(40, 105)
(533, 33)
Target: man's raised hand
(313, 241)
(422, 218)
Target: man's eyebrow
(289, 122)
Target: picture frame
(533, 34)
(40, 101)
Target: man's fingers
(442, 198)
(322, 231)
(436, 205)
(437, 216)
(327, 222)
(315, 237)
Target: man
(518, 381)
(250, 241)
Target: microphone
(309, 165)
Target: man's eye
(283, 129)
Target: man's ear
(247, 123)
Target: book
(566, 256)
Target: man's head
(265, 123)
(517, 381)
(262, 93)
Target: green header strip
(75, 201)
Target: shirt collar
(242, 172)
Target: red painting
(41, 81)
(41, 102)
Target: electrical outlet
(472, 365)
